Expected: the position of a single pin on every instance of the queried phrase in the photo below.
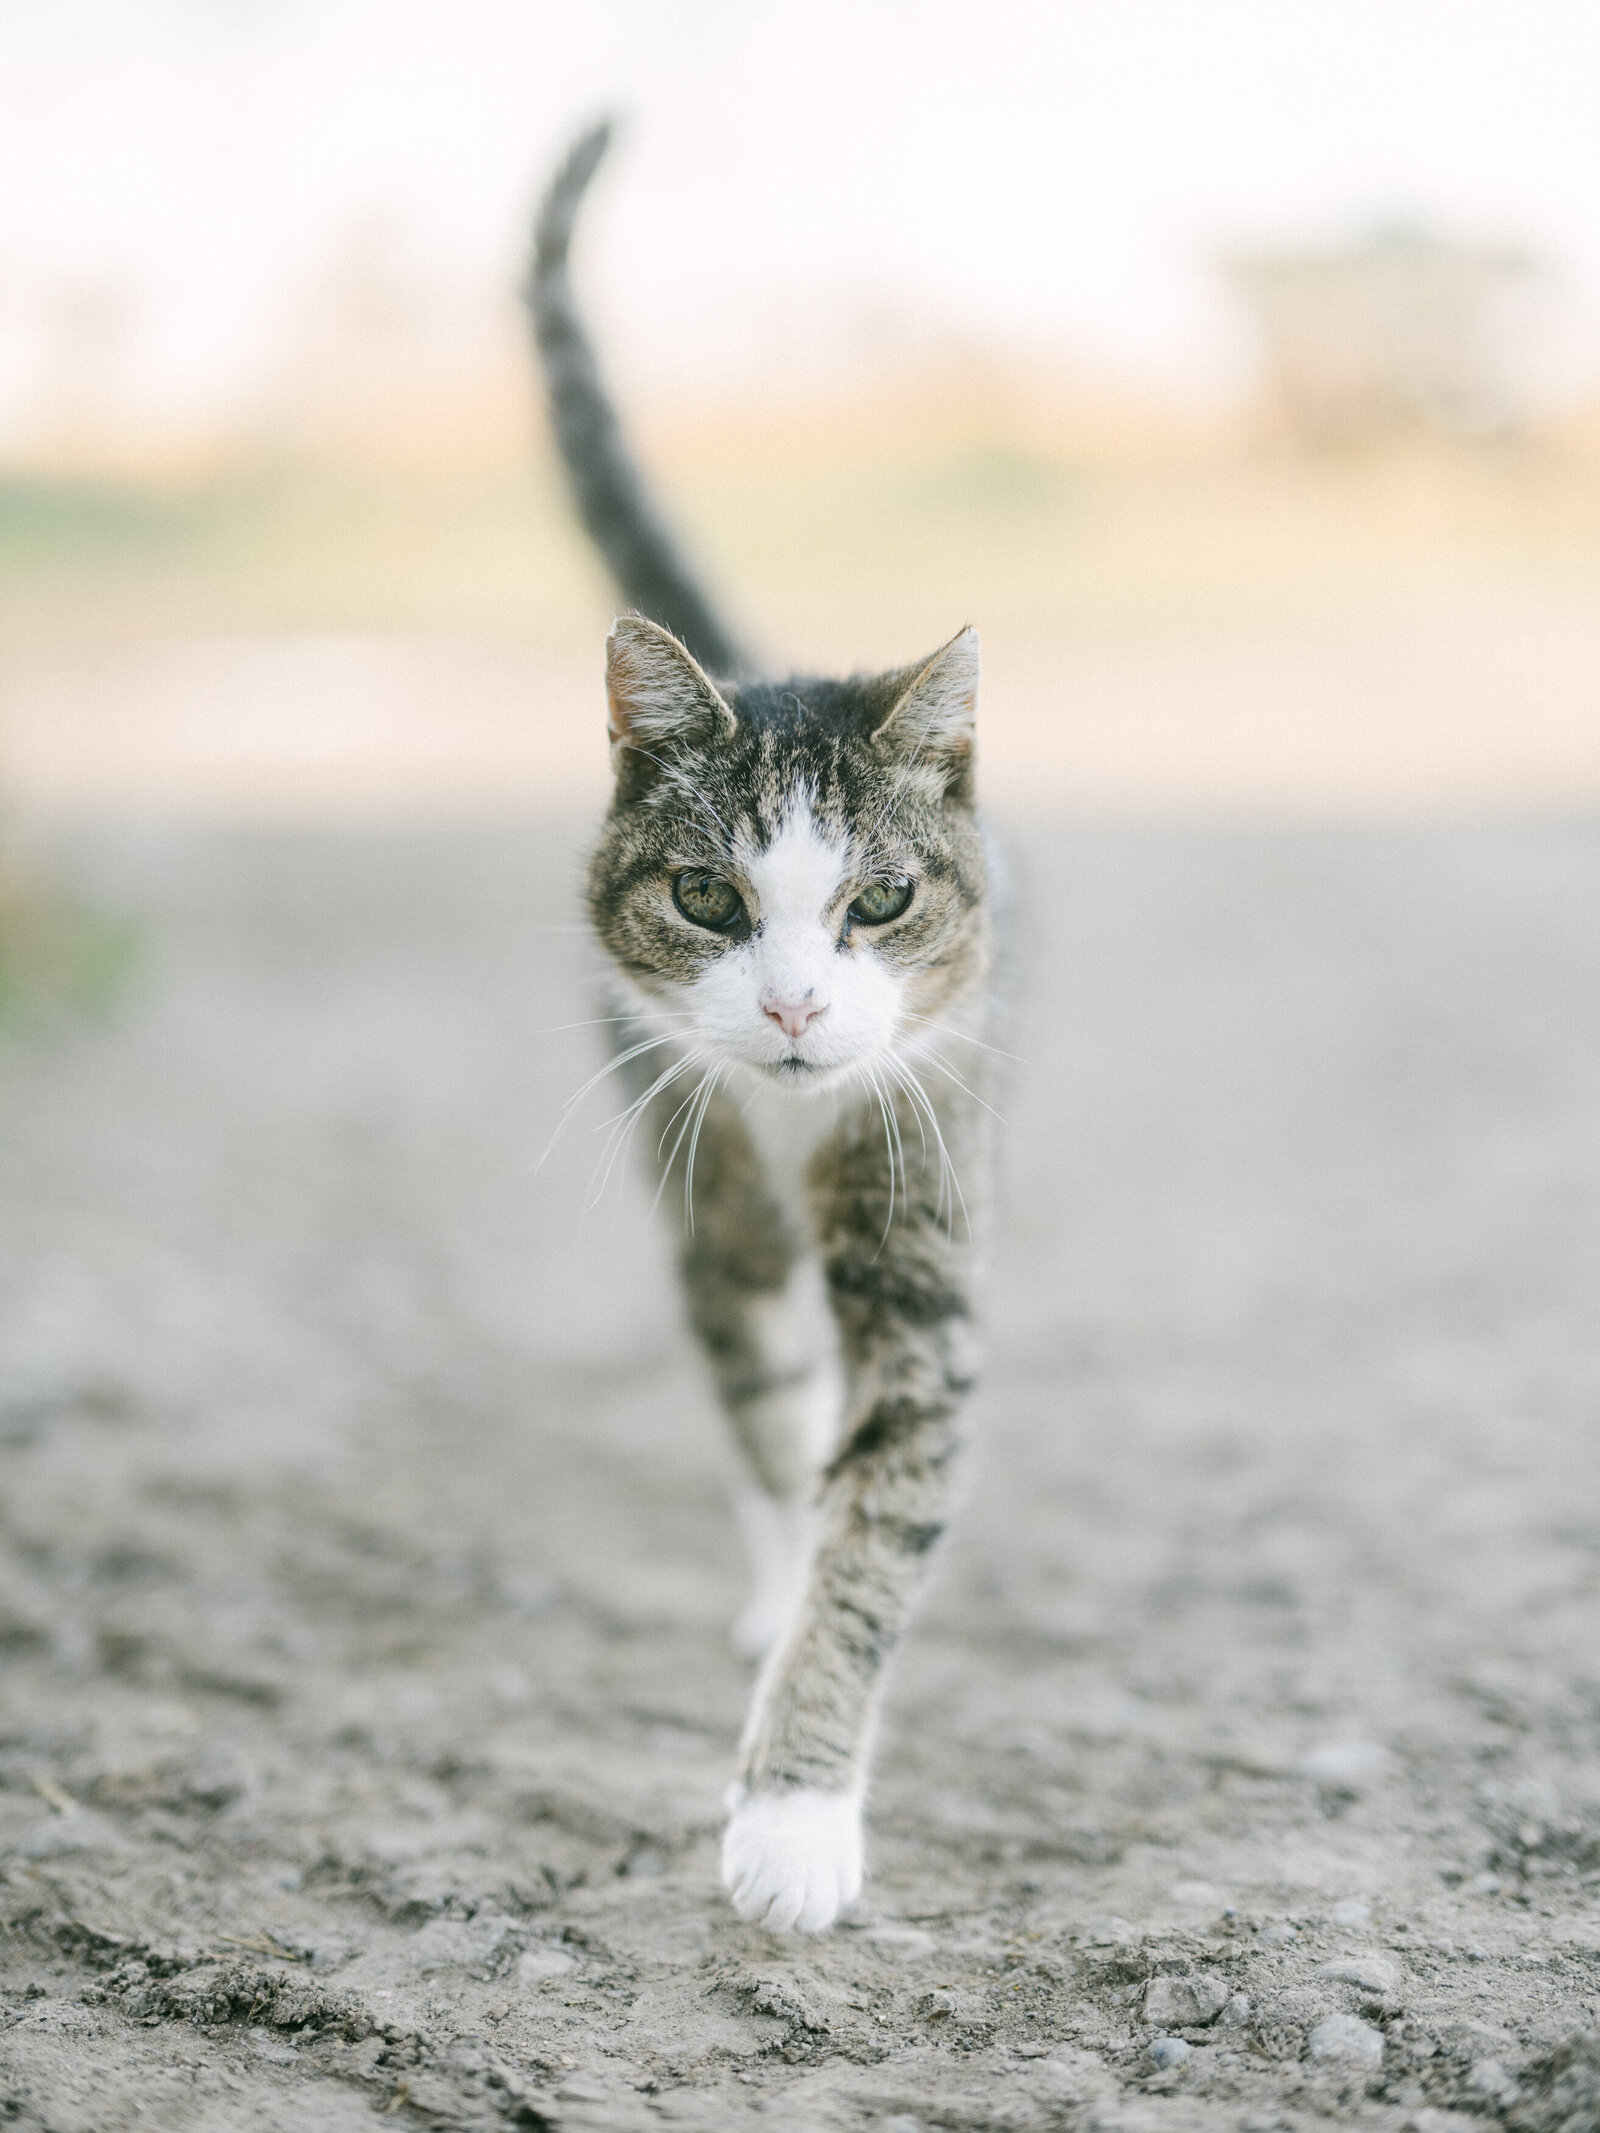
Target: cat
(792, 889)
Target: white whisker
(920, 1097)
(685, 1111)
(663, 1080)
(900, 1153)
(694, 1142)
(948, 1029)
(677, 1114)
(672, 1014)
(891, 1144)
(623, 1124)
(922, 1138)
(875, 1091)
(950, 1074)
(619, 1059)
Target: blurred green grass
(287, 547)
(59, 958)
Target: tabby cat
(791, 889)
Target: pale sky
(1053, 173)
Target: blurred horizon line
(490, 417)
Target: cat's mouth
(793, 1072)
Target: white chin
(804, 1076)
(802, 1073)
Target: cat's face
(795, 874)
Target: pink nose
(793, 1016)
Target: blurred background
(1236, 369)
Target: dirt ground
(366, 1571)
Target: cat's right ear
(657, 692)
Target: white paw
(792, 1860)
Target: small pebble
(1373, 1973)
(539, 1963)
(1485, 1884)
(1490, 2078)
(896, 1939)
(1076, 2075)
(1168, 2052)
(1352, 1912)
(1340, 2040)
(1275, 1936)
(1237, 2012)
(1110, 1930)
(266, 2046)
(1198, 1895)
(59, 1834)
(1343, 1762)
(936, 2006)
(1184, 2002)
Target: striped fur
(791, 888)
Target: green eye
(708, 900)
(880, 901)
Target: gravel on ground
(366, 1570)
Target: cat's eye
(880, 901)
(708, 900)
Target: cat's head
(794, 871)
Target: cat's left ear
(657, 692)
(932, 719)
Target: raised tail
(606, 486)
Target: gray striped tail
(610, 495)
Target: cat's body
(791, 887)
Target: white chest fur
(787, 1129)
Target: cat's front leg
(758, 1303)
(792, 1854)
